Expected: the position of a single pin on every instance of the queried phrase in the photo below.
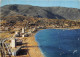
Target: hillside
(41, 12)
(23, 21)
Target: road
(3, 53)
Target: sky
(44, 3)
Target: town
(15, 45)
(17, 37)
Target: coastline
(32, 45)
(33, 48)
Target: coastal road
(2, 44)
(2, 48)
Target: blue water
(59, 42)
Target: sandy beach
(32, 46)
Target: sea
(59, 42)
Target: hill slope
(41, 12)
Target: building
(25, 35)
(14, 48)
(13, 43)
(17, 34)
(23, 30)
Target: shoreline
(33, 48)
(36, 52)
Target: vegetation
(21, 21)
(41, 12)
(10, 24)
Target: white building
(23, 30)
(13, 43)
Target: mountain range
(41, 12)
